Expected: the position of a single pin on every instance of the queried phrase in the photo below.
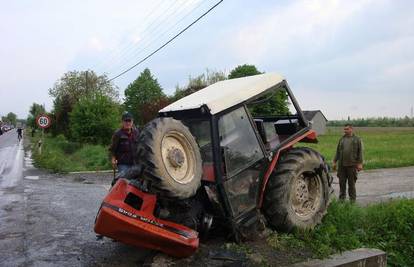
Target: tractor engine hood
(127, 215)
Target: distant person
(349, 159)
(19, 133)
(124, 144)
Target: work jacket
(124, 146)
(356, 152)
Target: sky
(347, 58)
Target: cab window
(238, 141)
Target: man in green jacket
(349, 158)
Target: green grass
(387, 226)
(60, 155)
(384, 147)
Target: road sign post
(43, 121)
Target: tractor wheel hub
(176, 157)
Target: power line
(150, 42)
(128, 56)
(169, 41)
(151, 15)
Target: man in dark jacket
(124, 144)
(349, 158)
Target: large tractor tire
(170, 157)
(298, 190)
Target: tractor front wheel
(170, 157)
(297, 193)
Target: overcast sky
(351, 58)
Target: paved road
(11, 197)
(383, 184)
(47, 220)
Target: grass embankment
(61, 155)
(387, 226)
(384, 147)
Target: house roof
(310, 114)
(225, 94)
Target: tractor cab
(238, 131)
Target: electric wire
(151, 41)
(166, 43)
(128, 55)
(114, 52)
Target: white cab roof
(225, 94)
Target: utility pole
(40, 143)
(412, 112)
(86, 81)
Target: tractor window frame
(223, 181)
(283, 86)
(218, 158)
(256, 135)
(303, 123)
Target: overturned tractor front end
(127, 215)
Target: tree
(199, 82)
(150, 110)
(34, 111)
(143, 92)
(270, 104)
(243, 71)
(274, 103)
(94, 118)
(10, 118)
(73, 86)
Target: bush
(61, 155)
(69, 89)
(94, 119)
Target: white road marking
(31, 177)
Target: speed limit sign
(43, 121)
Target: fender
(309, 137)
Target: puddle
(28, 161)
(409, 194)
(58, 235)
(31, 177)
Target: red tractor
(224, 157)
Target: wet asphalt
(47, 220)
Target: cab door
(243, 159)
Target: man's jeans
(350, 175)
(123, 168)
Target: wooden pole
(41, 142)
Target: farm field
(384, 147)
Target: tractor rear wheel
(170, 157)
(298, 190)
